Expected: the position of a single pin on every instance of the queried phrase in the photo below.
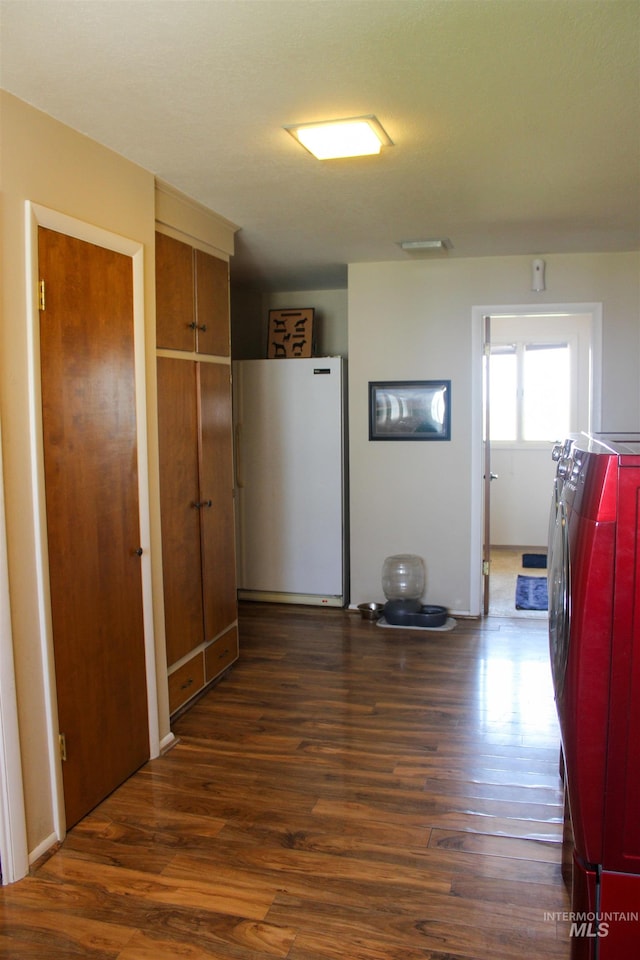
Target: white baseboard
(43, 848)
(167, 743)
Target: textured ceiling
(515, 122)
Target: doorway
(42, 217)
(521, 466)
(15, 854)
(93, 529)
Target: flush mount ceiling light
(352, 137)
(436, 244)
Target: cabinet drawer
(185, 682)
(221, 653)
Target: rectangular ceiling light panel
(352, 137)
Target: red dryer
(594, 640)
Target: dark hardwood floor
(345, 793)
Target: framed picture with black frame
(410, 410)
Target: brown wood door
(175, 305)
(216, 487)
(90, 459)
(212, 305)
(179, 494)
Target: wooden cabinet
(221, 653)
(196, 478)
(185, 681)
(192, 299)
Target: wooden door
(179, 497)
(90, 459)
(216, 488)
(212, 305)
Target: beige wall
(413, 321)
(247, 324)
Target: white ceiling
(515, 122)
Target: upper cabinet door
(175, 308)
(192, 299)
(212, 305)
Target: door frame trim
(476, 459)
(13, 827)
(39, 216)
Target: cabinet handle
(202, 503)
(201, 326)
(193, 325)
(187, 683)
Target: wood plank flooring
(345, 793)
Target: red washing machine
(594, 640)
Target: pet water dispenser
(403, 584)
(403, 577)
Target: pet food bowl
(370, 611)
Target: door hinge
(41, 305)
(62, 743)
(485, 568)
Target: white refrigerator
(290, 468)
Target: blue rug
(534, 560)
(531, 593)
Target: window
(530, 391)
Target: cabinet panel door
(216, 485)
(179, 494)
(175, 309)
(212, 305)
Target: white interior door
(523, 480)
